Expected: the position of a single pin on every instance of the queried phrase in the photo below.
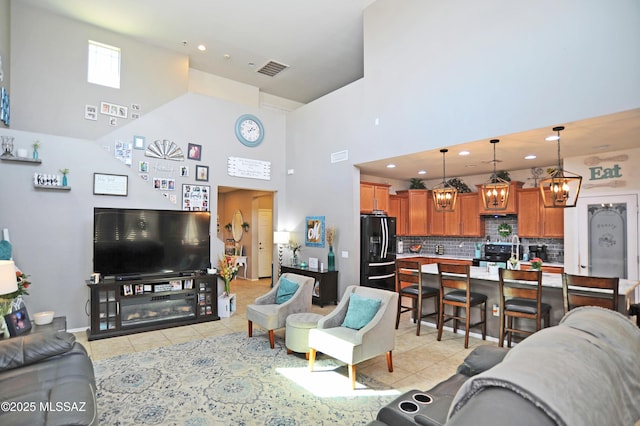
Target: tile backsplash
(465, 246)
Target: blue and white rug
(232, 380)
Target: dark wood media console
(128, 306)
(326, 286)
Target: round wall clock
(249, 130)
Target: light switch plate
(345, 254)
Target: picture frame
(127, 290)
(196, 197)
(91, 112)
(194, 152)
(202, 173)
(114, 110)
(109, 184)
(18, 322)
(314, 235)
(313, 263)
(139, 142)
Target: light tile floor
(420, 362)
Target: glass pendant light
(444, 195)
(560, 188)
(495, 193)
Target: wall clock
(249, 130)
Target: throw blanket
(585, 371)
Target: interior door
(608, 229)
(265, 242)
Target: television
(141, 242)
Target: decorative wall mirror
(236, 226)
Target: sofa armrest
(481, 359)
(31, 348)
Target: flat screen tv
(139, 242)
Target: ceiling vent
(272, 68)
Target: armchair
(353, 346)
(272, 316)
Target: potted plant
(64, 172)
(417, 184)
(35, 145)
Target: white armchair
(354, 346)
(268, 314)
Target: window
(104, 65)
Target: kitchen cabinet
(512, 203)
(416, 214)
(374, 197)
(464, 221)
(399, 208)
(536, 221)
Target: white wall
(49, 69)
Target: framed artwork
(113, 110)
(202, 173)
(91, 112)
(18, 322)
(196, 197)
(314, 236)
(106, 184)
(194, 152)
(138, 142)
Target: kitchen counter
(485, 282)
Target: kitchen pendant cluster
(444, 194)
(495, 193)
(561, 188)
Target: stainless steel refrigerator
(378, 251)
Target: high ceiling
(321, 41)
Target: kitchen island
(485, 282)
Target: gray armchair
(354, 346)
(271, 316)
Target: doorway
(607, 241)
(258, 232)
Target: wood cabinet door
(381, 198)
(396, 210)
(436, 218)
(418, 215)
(529, 212)
(469, 215)
(553, 222)
(366, 198)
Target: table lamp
(280, 238)
(8, 280)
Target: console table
(325, 289)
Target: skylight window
(104, 65)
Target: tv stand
(133, 304)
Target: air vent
(272, 68)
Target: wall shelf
(55, 187)
(22, 160)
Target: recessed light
(202, 47)
(422, 172)
(252, 64)
(391, 166)
(226, 56)
(530, 157)
(464, 153)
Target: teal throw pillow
(361, 310)
(286, 290)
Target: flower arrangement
(227, 269)
(331, 234)
(23, 285)
(64, 171)
(36, 144)
(294, 247)
(536, 263)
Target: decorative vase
(227, 286)
(331, 259)
(294, 260)
(5, 308)
(35, 154)
(64, 180)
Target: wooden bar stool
(578, 290)
(520, 299)
(409, 284)
(455, 291)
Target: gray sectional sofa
(46, 379)
(584, 371)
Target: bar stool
(578, 290)
(455, 291)
(409, 284)
(521, 300)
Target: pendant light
(495, 193)
(444, 195)
(561, 188)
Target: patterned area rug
(232, 380)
